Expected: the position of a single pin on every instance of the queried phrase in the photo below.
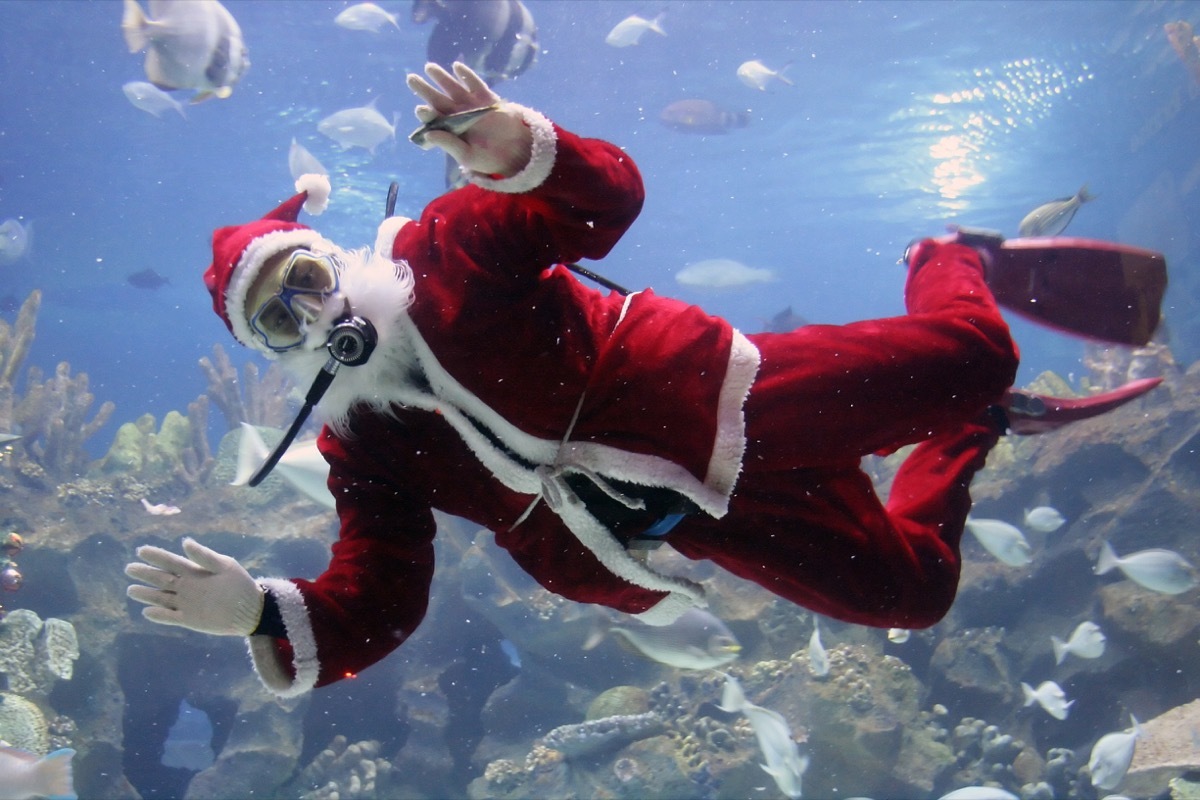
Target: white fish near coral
(1086, 641)
(15, 239)
(302, 465)
(1004, 541)
(898, 635)
(1050, 696)
(757, 75)
(159, 509)
(630, 30)
(1111, 756)
(365, 17)
(24, 776)
(696, 640)
(783, 760)
(1044, 519)
(363, 126)
(302, 162)
(979, 793)
(151, 99)
(721, 273)
(189, 740)
(1156, 569)
(818, 659)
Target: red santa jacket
(527, 387)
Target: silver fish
(1111, 756)
(1155, 569)
(722, 273)
(302, 465)
(5, 438)
(701, 116)
(358, 127)
(630, 30)
(1050, 219)
(189, 44)
(457, 124)
(697, 640)
(302, 162)
(1050, 696)
(151, 99)
(1002, 540)
(818, 659)
(14, 240)
(24, 775)
(783, 760)
(757, 75)
(365, 17)
(1044, 519)
(1086, 641)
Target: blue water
(827, 184)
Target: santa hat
(239, 252)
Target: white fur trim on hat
(318, 190)
(265, 655)
(249, 265)
(541, 160)
(386, 233)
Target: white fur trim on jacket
(541, 160)
(265, 655)
(386, 233)
(318, 190)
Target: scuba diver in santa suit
(459, 366)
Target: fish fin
(223, 92)
(133, 25)
(1060, 649)
(656, 24)
(595, 637)
(1107, 560)
(1084, 196)
(57, 777)
(1030, 694)
(779, 74)
(200, 97)
(252, 451)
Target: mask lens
(309, 273)
(277, 325)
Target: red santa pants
(804, 520)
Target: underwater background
(900, 118)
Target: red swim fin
(1095, 289)
(1034, 413)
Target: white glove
(207, 591)
(499, 143)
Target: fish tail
(1060, 649)
(782, 77)
(252, 451)
(1030, 695)
(656, 24)
(1084, 196)
(133, 25)
(1107, 560)
(55, 775)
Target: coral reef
(22, 724)
(1167, 749)
(259, 399)
(607, 733)
(34, 655)
(177, 453)
(343, 772)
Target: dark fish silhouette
(701, 116)
(785, 321)
(146, 279)
(496, 38)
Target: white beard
(378, 290)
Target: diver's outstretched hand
(202, 590)
(494, 143)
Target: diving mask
(308, 279)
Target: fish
(189, 44)
(15, 240)
(5, 438)
(457, 124)
(497, 38)
(701, 116)
(510, 652)
(1086, 641)
(189, 740)
(1051, 219)
(697, 640)
(1111, 756)
(979, 793)
(1155, 569)
(151, 99)
(1044, 519)
(757, 75)
(899, 635)
(302, 162)
(783, 760)
(365, 17)
(721, 273)
(1002, 540)
(363, 126)
(630, 30)
(24, 775)
(1050, 696)
(159, 509)
(302, 465)
(818, 659)
(785, 321)
(146, 279)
